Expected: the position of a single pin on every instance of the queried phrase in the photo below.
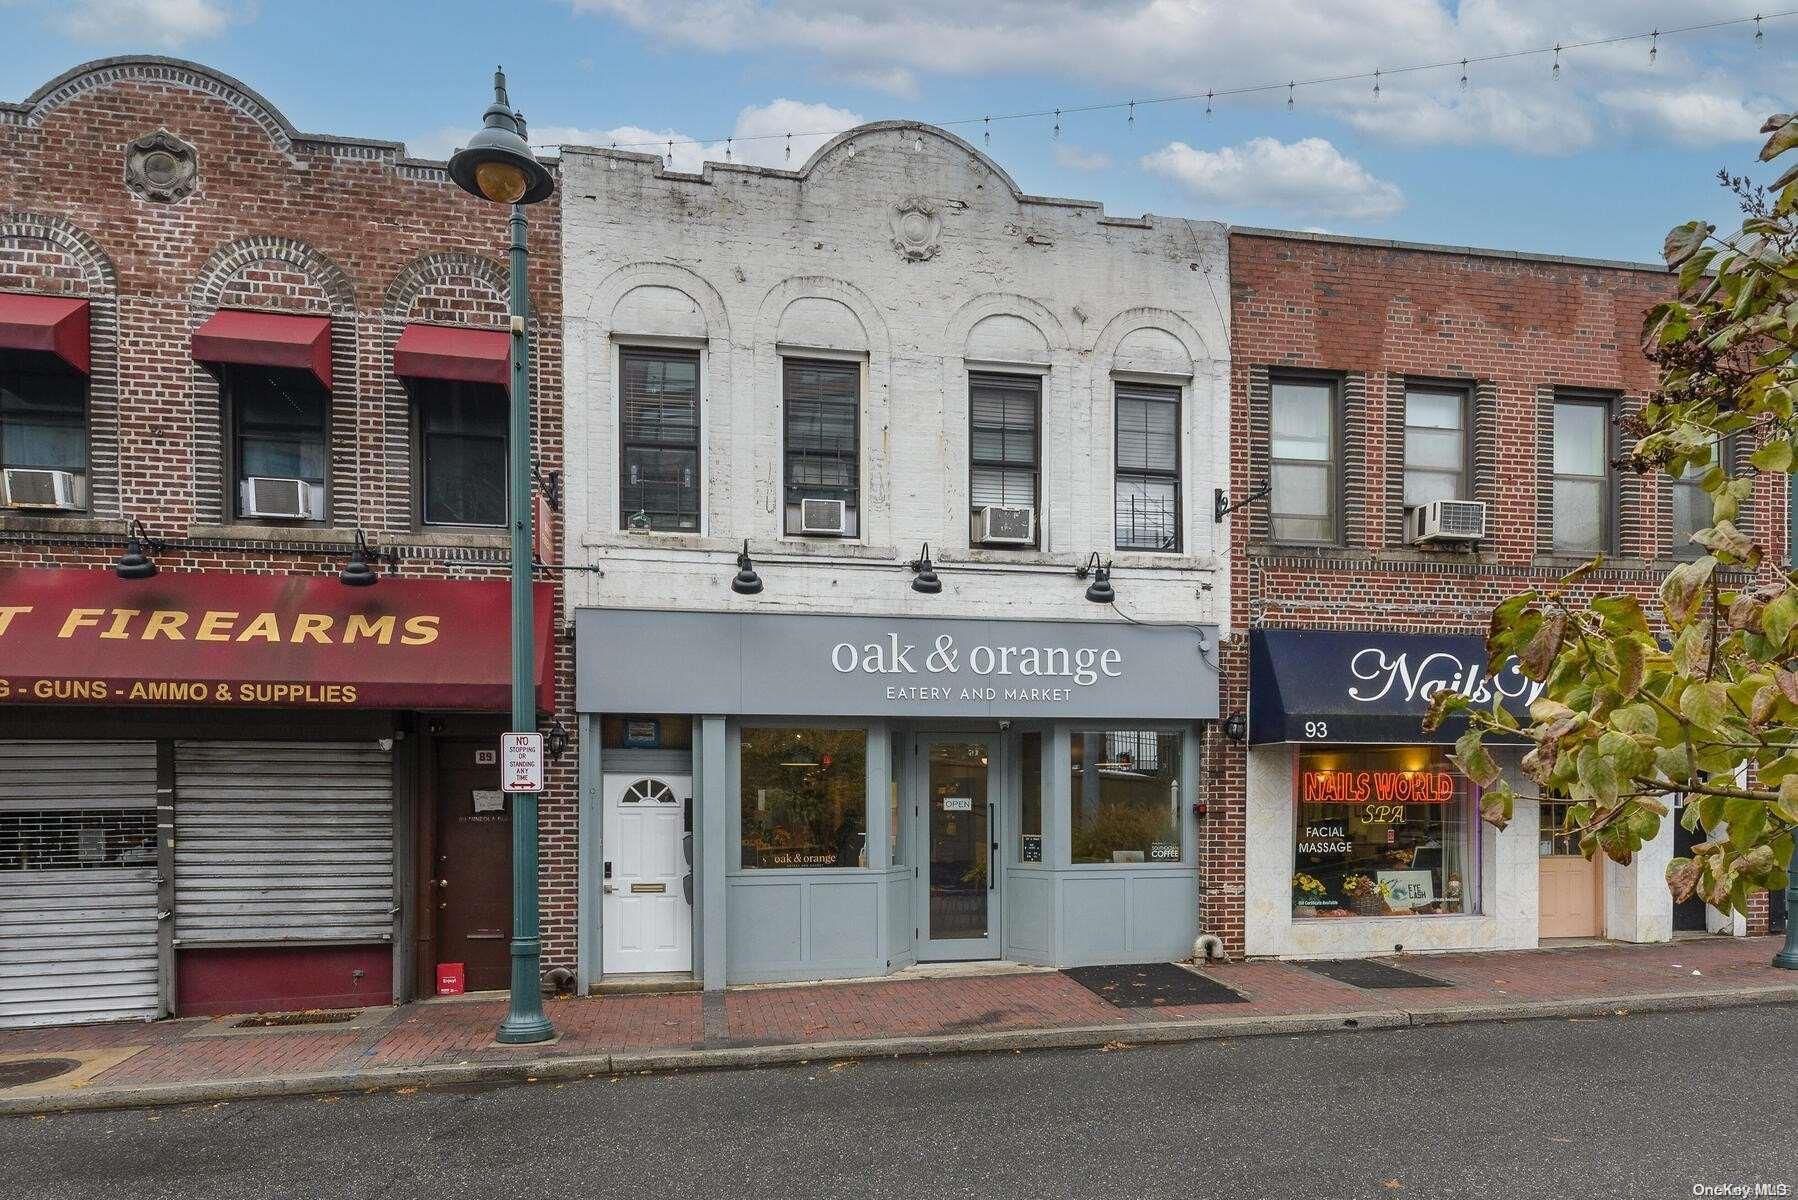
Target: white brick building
(897, 327)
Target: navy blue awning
(1331, 686)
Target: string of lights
(1210, 96)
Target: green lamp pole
(1788, 955)
(497, 165)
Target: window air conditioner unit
(39, 487)
(829, 518)
(1448, 521)
(1006, 525)
(283, 499)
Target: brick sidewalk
(441, 1034)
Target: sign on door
(521, 762)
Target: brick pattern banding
(279, 221)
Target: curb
(1080, 1037)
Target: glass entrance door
(961, 904)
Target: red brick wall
(281, 221)
(1377, 313)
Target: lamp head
(1100, 591)
(358, 572)
(747, 582)
(497, 164)
(924, 578)
(134, 563)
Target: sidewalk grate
(1367, 973)
(26, 1071)
(1152, 985)
(280, 1020)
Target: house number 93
(1317, 729)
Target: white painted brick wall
(747, 263)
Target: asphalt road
(1638, 1106)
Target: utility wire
(1289, 85)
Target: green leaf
(1621, 614)
(1779, 616)
(1539, 654)
(1747, 820)
(1704, 703)
(1683, 588)
(1474, 759)
(1775, 456)
(1683, 241)
(1639, 719)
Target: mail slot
(648, 887)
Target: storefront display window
(1030, 801)
(804, 797)
(895, 810)
(1383, 833)
(1125, 796)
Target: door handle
(607, 888)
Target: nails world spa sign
(630, 660)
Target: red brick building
(1369, 378)
(208, 323)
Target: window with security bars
(43, 414)
(821, 426)
(1003, 445)
(77, 839)
(658, 396)
(1148, 467)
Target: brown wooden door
(1570, 890)
(473, 872)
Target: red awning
(56, 324)
(267, 340)
(451, 352)
(263, 641)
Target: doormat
(1367, 973)
(1152, 985)
(279, 1020)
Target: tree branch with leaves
(1700, 707)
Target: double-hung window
(1582, 475)
(1692, 504)
(821, 428)
(1004, 413)
(280, 430)
(659, 440)
(1147, 514)
(462, 439)
(1302, 505)
(43, 416)
(1436, 445)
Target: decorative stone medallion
(917, 229)
(160, 166)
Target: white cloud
(1309, 177)
(163, 24)
(1078, 159)
(759, 137)
(1690, 117)
(1138, 47)
(894, 81)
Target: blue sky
(1599, 162)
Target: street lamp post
(1788, 955)
(497, 165)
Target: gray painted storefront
(902, 680)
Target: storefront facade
(217, 792)
(789, 797)
(1364, 839)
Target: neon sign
(1384, 787)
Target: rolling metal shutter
(283, 842)
(77, 882)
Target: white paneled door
(647, 913)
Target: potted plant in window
(1366, 896)
(1308, 894)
